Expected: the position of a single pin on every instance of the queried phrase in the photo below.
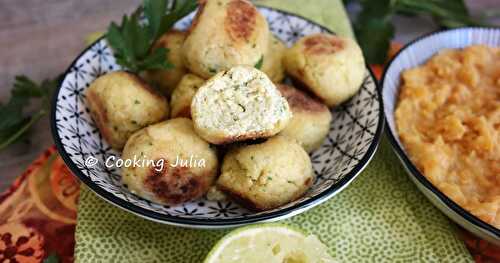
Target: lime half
(270, 243)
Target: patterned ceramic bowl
(415, 54)
(352, 141)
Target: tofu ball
(214, 194)
(167, 79)
(266, 175)
(225, 33)
(311, 119)
(189, 167)
(121, 103)
(239, 104)
(331, 67)
(272, 60)
(180, 102)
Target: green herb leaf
(259, 63)
(447, 13)
(132, 40)
(374, 29)
(180, 10)
(25, 87)
(374, 36)
(154, 12)
(157, 60)
(14, 122)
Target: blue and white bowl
(351, 143)
(415, 54)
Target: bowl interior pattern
(413, 55)
(352, 140)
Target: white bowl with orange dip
(441, 98)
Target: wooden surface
(40, 38)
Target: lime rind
(235, 233)
(272, 242)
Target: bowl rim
(413, 171)
(219, 222)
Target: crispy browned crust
(300, 71)
(196, 19)
(323, 44)
(99, 114)
(242, 137)
(297, 82)
(184, 113)
(300, 101)
(241, 20)
(176, 185)
(308, 182)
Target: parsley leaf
(447, 13)
(14, 122)
(154, 12)
(259, 63)
(180, 10)
(132, 43)
(132, 40)
(374, 29)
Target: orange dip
(448, 119)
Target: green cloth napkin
(380, 217)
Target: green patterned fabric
(380, 217)
(329, 13)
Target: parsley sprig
(374, 29)
(132, 40)
(15, 116)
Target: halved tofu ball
(239, 104)
(121, 103)
(182, 166)
(330, 66)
